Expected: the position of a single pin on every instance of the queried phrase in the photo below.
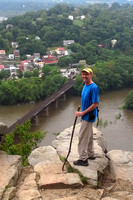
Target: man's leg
(90, 149)
(85, 135)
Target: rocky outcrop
(96, 167)
(44, 178)
(47, 164)
(10, 168)
(121, 164)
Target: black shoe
(91, 157)
(81, 162)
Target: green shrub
(21, 141)
(129, 101)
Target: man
(88, 114)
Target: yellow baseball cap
(88, 70)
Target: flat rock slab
(46, 153)
(47, 164)
(121, 164)
(29, 190)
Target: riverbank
(117, 132)
(109, 177)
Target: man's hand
(79, 114)
(92, 107)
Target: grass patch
(72, 170)
(62, 158)
(78, 22)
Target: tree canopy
(129, 101)
(31, 88)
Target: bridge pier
(56, 103)
(70, 92)
(35, 121)
(44, 112)
(63, 97)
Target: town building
(68, 42)
(16, 53)
(24, 66)
(11, 57)
(49, 59)
(36, 55)
(2, 67)
(2, 53)
(14, 45)
(70, 17)
(60, 51)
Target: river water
(116, 126)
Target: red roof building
(60, 51)
(2, 67)
(23, 65)
(49, 59)
(2, 53)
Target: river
(117, 124)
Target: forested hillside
(104, 38)
(100, 25)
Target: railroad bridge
(42, 109)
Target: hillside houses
(12, 63)
(11, 69)
(78, 17)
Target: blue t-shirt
(89, 95)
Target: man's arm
(92, 107)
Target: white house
(82, 17)
(11, 57)
(37, 38)
(14, 44)
(13, 70)
(70, 17)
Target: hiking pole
(97, 124)
(70, 141)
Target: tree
(35, 73)
(20, 74)
(129, 101)
(78, 85)
(28, 74)
(4, 74)
(46, 71)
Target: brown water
(118, 133)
